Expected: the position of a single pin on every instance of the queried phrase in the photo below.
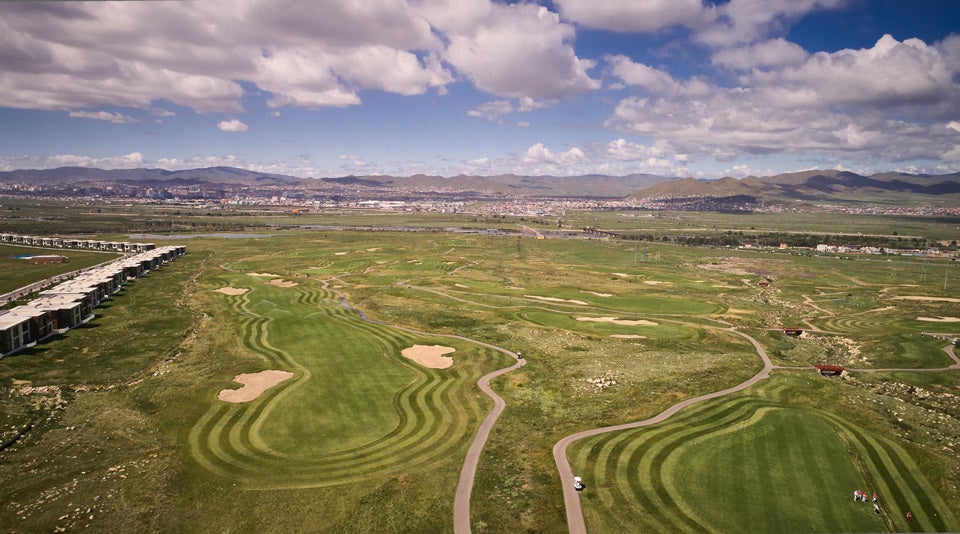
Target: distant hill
(810, 186)
(813, 186)
(86, 175)
(507, 184)
(511, 184)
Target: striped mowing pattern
(433, 412)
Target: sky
(326, 88)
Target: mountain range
(809, 186)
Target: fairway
(752, 463)
(355, 409)
(358, 437)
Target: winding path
(461, 499)
(571, 498)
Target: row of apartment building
(83, 244)
(71, 303)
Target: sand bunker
(940, 319)
(619, 274)
(431, 356)
(654, 282)
(553, 299)
(280, 282)
(254, 384)
(339, 253)
(614, 320)
(232, 291)
(598, 294)
(931, 299)
(628, 336)
(268, 275)
(374, 249)
(461, 285)
(515, 288)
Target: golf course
(297, 379)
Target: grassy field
(756, 462)
(18, 273)
(118, 423)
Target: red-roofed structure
(829, 370)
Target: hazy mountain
(816, 185)
(85, 175)
(511, 184)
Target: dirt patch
(620, 274)
(614, 320)
(598, 294)
(515, 288)
(628, 336)
(654, 282)
(554, 299)
(373, 249)
(431, 356)
(463, 286)
(929, 299)
(940, 319)
(232, 291)
(339, 253)
(254, 384)
(280, 282)
(267, 275)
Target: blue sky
(565, 87)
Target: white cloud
(654, 80)
(492, 111)
(131, 54)
(773, 53)
(747, 21)
(714, 23)
(313, 54)
(742, 171)
(517, 51)
(890, 102)
(116, 118)
(632, 15)
(891, 73)
(538, 153)
(234, 125)
(353, 160)
(124, 161)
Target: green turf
(18, 273)
(362, 440)
(748, 463)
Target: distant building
(47, 259)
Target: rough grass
(361, 440)
(18, 273)
(754, 463)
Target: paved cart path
(571, 498)
(461, 499)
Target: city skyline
(569, 87)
